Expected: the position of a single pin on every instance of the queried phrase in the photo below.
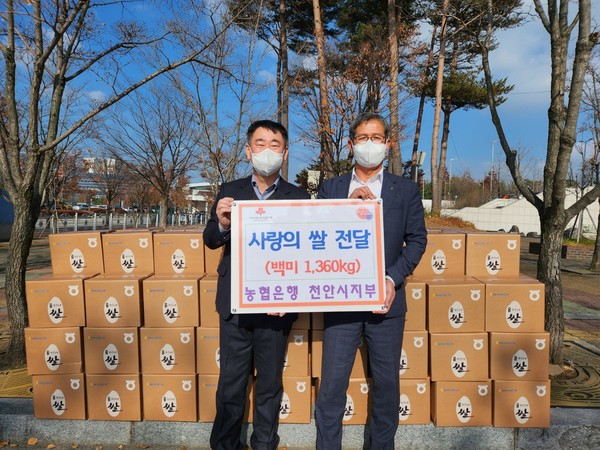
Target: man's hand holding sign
(365, 193)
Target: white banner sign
(307, 255)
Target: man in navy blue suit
(405, 238)
(250, 341)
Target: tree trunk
(395, 158)
(595, 265)
(548, 272)
(324, 120)
(447, 110)
(283, 107)
(435, 184)
(162, 204)
(18, 248)
(415, 150)
(562, 130)
(443, 152)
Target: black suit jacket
(404, 231)
(238, 190)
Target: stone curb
(570, 428)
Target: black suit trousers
(246, 342)
(341, 339)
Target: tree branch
(590, 197)
(542, 15)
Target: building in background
(504, 214)
(199, 199)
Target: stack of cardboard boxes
(126, 328)
(488, 351)
(53, 340)
(475, 352)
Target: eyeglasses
(362, 138)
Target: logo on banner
(364, 213)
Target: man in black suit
(250, 341)
(405, 239)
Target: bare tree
(591, 106)
(157, 142)
(49, 51)
(110, 175)
(141, 196)
(563, 115)
(345, 100)
(221, 126)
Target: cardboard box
(302, 322)
(317, 320)
(212, 259)
(207, 392)
(168, 350)
(414, 359)
(359, 369)
(458, 356)
(461, 403)
(114, 301)
(514, 304)
(208, 351)
(53, 350)
(520, 356)
(444, 256)
(493, 254)
(209, 317)
(179, 253)
(59, 396)
(296, 355)
(416, 302)
(358, 402)
(111, 350)
(114, 397)
(172, 397)
(55, 301)
(521, 404)
(415, 401)
(171, 301)
(455, 305)
(128, 252)
(296, 400)
(76, 253)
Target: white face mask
(267, 162)
(369, 154)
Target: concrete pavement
(572, 428)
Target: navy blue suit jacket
(404, 232)
(238, 190)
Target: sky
(524, 57)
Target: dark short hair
(365, 117)
(275, 127)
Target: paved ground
(581, 297)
